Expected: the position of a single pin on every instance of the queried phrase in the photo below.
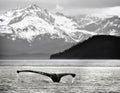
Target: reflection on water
(88, 80)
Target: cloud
(59, 8)
(93, 11)
(92, 3)
(69, 7)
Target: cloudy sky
(70, 7)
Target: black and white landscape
(33, 32)
(46, 39)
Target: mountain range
(34, 30)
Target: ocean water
(88, 79)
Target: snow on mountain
(34, 22)
(100, 24)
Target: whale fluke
(55, 77)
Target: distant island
(97, 47)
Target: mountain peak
(33, 6)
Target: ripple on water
(88, 80)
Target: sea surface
(95, 78)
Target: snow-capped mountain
(49, 33)
(105, 25)
(33, 22)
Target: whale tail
(54, 77)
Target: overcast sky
(69, 7)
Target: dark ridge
(97, 47)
